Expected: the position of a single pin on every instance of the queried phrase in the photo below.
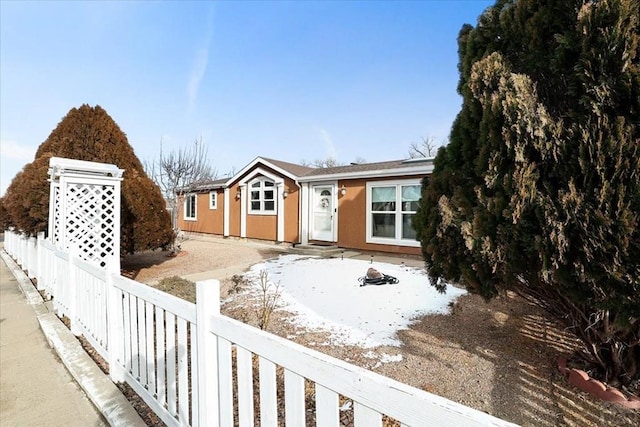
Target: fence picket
(135, 352)
(225, 382)
(161, 357)
(183, 367)
(194, 374)
(116, 331)
(208, 293)
(142, 342)
(151, 356)
(102, 302)
(171, 362)
(294, 399)
(126, 312)
(327, 413)
(244, 363)
(268, 393)
(365, 417)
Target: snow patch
(324, 294)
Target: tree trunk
(612, 349)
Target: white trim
(398, 212)
(334, 205)
(256, 161)
(304, 213)
(243, 210)
(54, 204)
(263, 172)
(279, 200)
(195, 207)
(262, 189)
(225, 225)
(384, 173)
(63, 166)
(213, 206)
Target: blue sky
(292, 81)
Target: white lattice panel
(89, 223)
(84, 210)
(57, 215)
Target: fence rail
(194, 366)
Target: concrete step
(317, 250)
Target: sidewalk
(37, 386)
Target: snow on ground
(324, 294)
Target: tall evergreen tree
(89, 133)
(539, 189)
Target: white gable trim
(259, 171)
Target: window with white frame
(391, 206)
(262, 192)
(213, 200)
(190, 207)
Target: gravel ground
(498, 357)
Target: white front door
(322, 213)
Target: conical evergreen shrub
(89, 133)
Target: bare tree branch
(426, 148)
(178, 172)
(359, 161)
(329, 162)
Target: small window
(190, 208)
(262, 197)
(213, 200)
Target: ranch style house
(367, 206)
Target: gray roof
(292, 168)
(208, 184)
(389, 168)
(368, 167)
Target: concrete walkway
(36, 389)
(413, 261)
(45, 386)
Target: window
(391, 207)
(190, 208)
(213, 200)
(262, 196)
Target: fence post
(207, 305)
(73, 292)
(32, 257)
(20, 251)
(40, 273)
(23, 251)
(27, 256)
(7, 241)
(115, 329)
(10, 242)
(56, 287)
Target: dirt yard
(498, 357)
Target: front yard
(499, 356)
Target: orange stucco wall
(262, 227)
(292, 212)
(265, 227)
(234, 210)
(352, 225)
(208, 220)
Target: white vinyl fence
(194, 366)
